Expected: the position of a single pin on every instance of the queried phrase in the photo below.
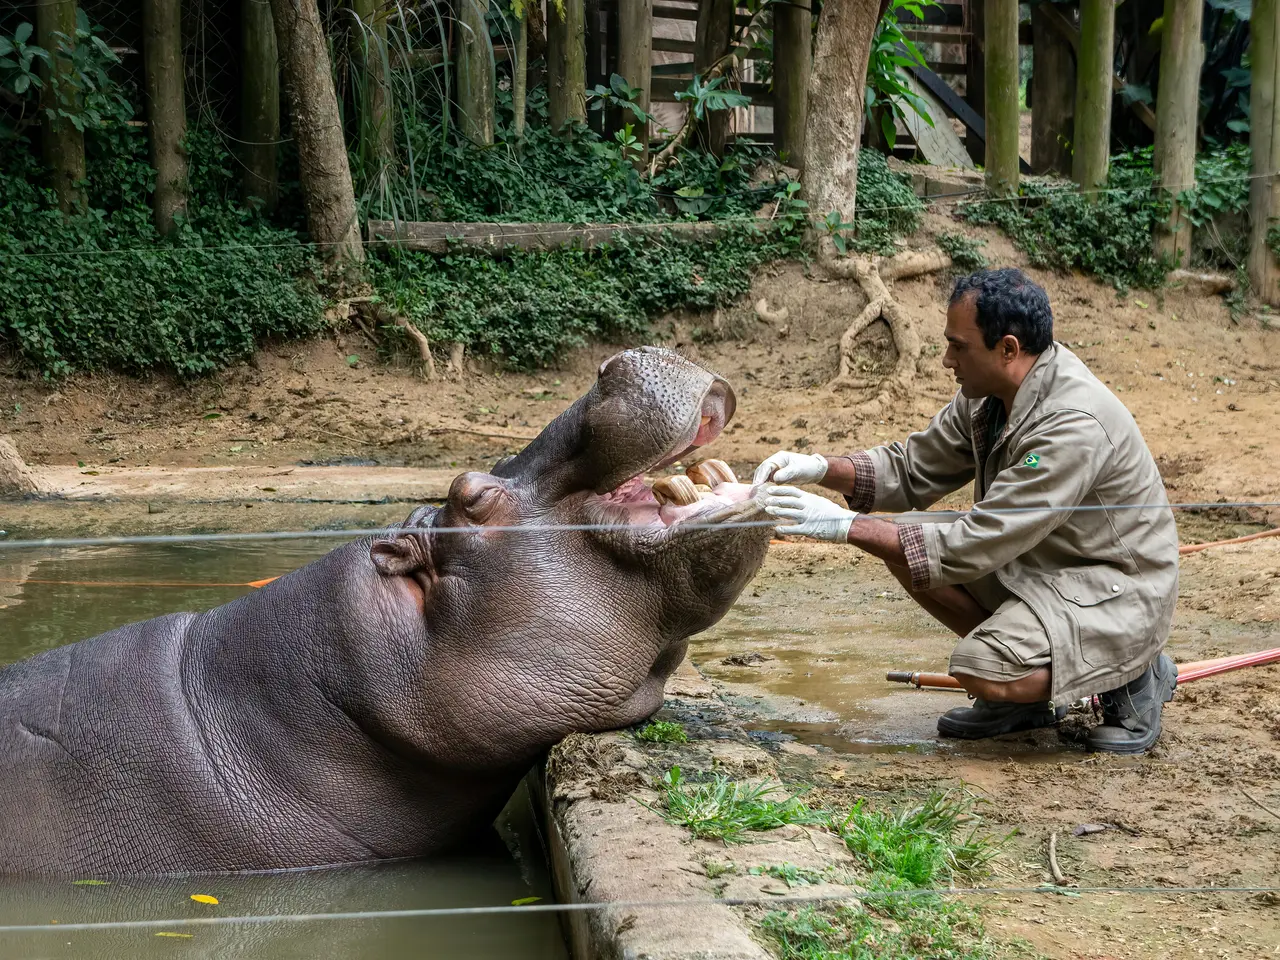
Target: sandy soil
(1203, 388)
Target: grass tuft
(662, 731)
(922, 845)
(722, 809)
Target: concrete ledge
(595, 798)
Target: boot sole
(970, 731)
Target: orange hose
(256, 584)
(1197, 547)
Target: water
(506, 865)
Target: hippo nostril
(604, 367)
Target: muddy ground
(1204, 807)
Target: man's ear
(401, 555)
(1010, 348)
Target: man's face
(979, 371)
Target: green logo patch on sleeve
(1033, 460)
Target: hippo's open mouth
(703, 491)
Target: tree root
(424, 346)
(457, 351)
(873, 275)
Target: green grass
(722, 809)
(790, 874)
(949, 931)
(662, 731)
(922, 845)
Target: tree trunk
(1177, 109)
(536, 28)
(975, 83)
(317, 130)
(715, 33)
(259, 105)
(1053, 78)
(635, 58)
(566, 64)
(475, 73)
(1001, 82)
(520, 75)
(792, 61)
(62, 143)
(833, 124)
(1264, 137)
(372, 56)
(166, 107)
(1092, 138)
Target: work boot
(989, 718)
(1131, 714)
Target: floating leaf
(212, 416)
(525, 901)
(180, 936)
(204, 898)
(92, 883)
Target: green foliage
(1222, 184)
(965, 252)
(890, 52)
(1111, 236)
(887, 206)
(790, 874)
(85, 93)
(619, 94)
(723, 809)
(938, 930)
(711, 95)
(662, 731)
(922, 846)
(102, 290)
(527, 307)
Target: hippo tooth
(711, 472)
(678, 490)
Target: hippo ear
(482, 498)
(401, 555)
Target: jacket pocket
(1096, 624)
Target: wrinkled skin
(385, 700)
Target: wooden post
(377, 141)
(715, 31)
(1001, 82)
(1264, 137)
(792, 63)
(1177, 108)
(520, 74)
(1053, 78)
(62, 143)
(975, 83)
(566, 64)
(475, 73)
(635, 58)
(166, 106)
(1091, 141)
(259, 104)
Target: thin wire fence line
(514, 235)
(504, 909)
(919, 516)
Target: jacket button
(1115, 588)
(1076, 599)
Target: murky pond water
(506, 865)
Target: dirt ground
(1204, 807)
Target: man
(1051, 603)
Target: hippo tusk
(711, 473)
(678, 490)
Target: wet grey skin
(384, 701)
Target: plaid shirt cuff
(911, 539)
(863, 497)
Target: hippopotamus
(384, 701)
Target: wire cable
(502, 909)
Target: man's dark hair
(1008, 302)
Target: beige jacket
(1102, 582)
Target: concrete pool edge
(604, 844)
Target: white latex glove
(786, 467)
(809, 515)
